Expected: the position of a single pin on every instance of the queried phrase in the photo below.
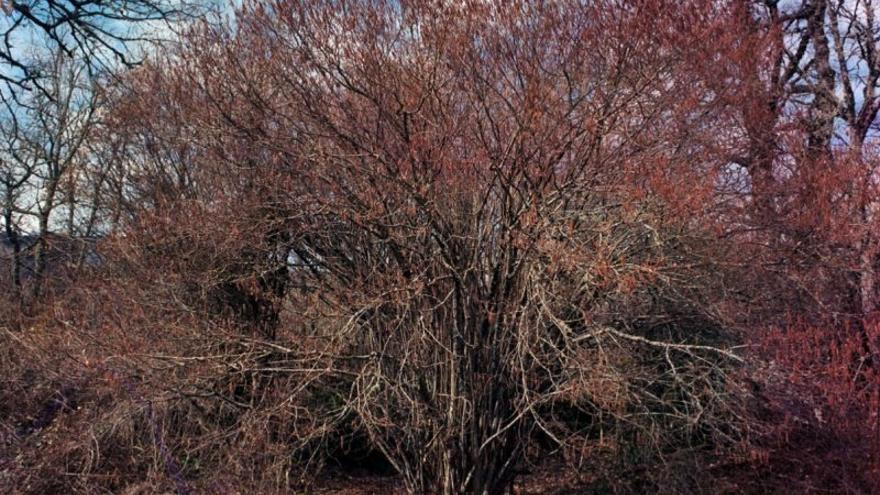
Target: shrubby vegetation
(457, 245)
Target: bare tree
(47, 153)
(99, 33)
(15, 174)
(818, 105)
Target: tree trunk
(867, 264)
(45, 212)
(15, 240)
(40, 254)
(825, 106)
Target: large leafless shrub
(455, 238)
(461, 230)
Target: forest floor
(550, 480)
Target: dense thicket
(460, 242)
